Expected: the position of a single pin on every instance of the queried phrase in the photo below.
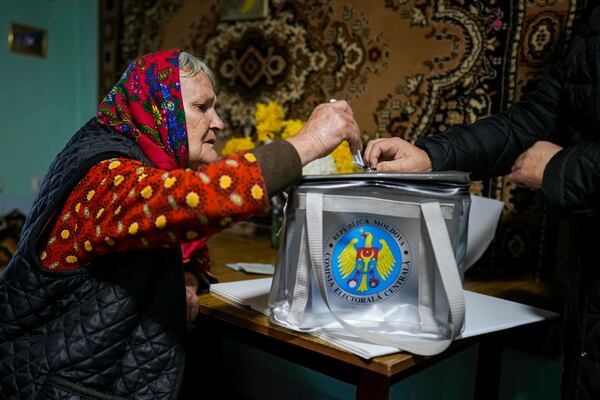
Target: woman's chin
(206, 157)
(209, 156)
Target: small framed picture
(28, 40)
(239, 10)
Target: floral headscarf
(146, 105)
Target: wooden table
(372, 378)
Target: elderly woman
(92, 305)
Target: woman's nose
(218, 123)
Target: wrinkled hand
(397, 155)
(191, 298)
(328, 125)
(528, 169)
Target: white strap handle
(302, 284)
(445, 261)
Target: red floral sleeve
(123, 205)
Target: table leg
(489, 367)
(371, 386)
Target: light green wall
(44, 100)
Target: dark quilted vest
(111, 330)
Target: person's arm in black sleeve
(489, 147)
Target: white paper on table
(484, 314)
(253, 268)
(483, 220)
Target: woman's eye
(202, 107)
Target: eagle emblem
(359, 261)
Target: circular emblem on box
(366, 261)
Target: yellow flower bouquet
(271, 124)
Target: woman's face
(202, 121)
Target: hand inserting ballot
(328, 125)
(356, 156)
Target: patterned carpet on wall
(410, 68)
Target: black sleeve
(489, 147)
(571, 181)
